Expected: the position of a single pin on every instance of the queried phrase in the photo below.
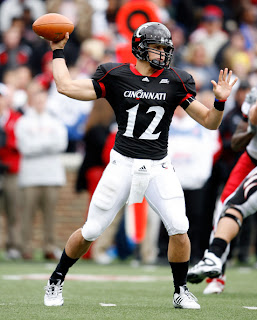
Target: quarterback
(143, 97)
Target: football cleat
(53, 294)
(215, 285)
(185, 299)
(210, 266)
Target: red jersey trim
(186, 97)
(189, 94)
(180, 79)
(154, 75)
(103, 89)
(243, 166)
(102, 85)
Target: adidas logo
(145, 79)
(178, 300)
(167, 81)
(143, 168)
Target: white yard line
(91, 277)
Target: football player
(143, 97)
(245, 137)
(239, 205)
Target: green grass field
(139, 293)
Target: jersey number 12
(148, 133)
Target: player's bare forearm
(241, 137)
(208, 118)
(253, 115)
(81, 89)
(61, 75)
(241, 140)
(213, 119)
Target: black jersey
(143, 106)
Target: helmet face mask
(153, 33)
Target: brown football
(52, 26)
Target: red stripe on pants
(243, 166)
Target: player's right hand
(60, 44)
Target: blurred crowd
(37, 124)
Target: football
(52, 26)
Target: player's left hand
(223, 88)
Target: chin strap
(157, 64)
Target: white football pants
(155, 179)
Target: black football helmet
(148, 33)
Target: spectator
(183, 15)
(179, 42)
(210, 32)
(41, 139)
(12, 52)
(9, 166)
(18, 80)
(198, 63)
(247, 25)
(235, 44)
(45, 78)
(14, 8)
(92, 52)
(241, 64)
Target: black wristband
(219, 105)
(58, 53)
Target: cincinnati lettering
(140, 94)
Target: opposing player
(244, 137)
(143, 97)
(241, 204)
